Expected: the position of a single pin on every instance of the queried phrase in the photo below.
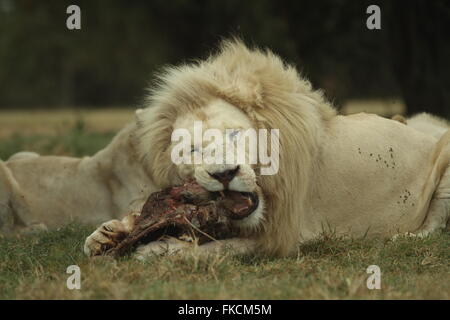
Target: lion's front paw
(107, 236)
(162, 247)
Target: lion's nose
(226, 176)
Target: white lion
(358, 175)
(426, 123)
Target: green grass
(34, 266)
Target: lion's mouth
(234, 205)
(239, 205)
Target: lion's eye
(194, 149)
(234, 134)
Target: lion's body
(54, 191)
(429, 124)
(356, 175)
(363, 175)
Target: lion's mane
(273, 95)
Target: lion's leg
(171, 246)
(437, 219)
(108, 235)
(166, 246)
(14, 208)
(439, 212)
(438, 215)
(6, 210)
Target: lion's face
(229, 122)
(262, 93)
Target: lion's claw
(107, 236)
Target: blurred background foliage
(110, 61)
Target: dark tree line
(418, 36)
(111, 59)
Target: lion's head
(234, 90)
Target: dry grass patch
(51, 122)
(34, 267)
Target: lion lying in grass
(358, 175)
